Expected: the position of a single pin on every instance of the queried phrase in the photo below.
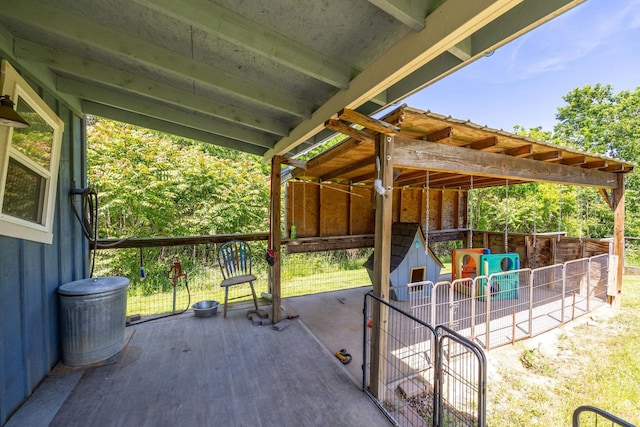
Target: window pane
(36, 140)
(24, 193)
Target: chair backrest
(234, 258)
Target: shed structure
(418, 166)
(424, 154)
(412, 260)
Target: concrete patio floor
(336, 320)
(221, 372)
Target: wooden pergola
(419, 159)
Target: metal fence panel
(507, 296)
(401, 351)
(547, 299)
(461, 381)
(513, 305)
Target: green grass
(596, 363)
(156, 296)
(446, 269)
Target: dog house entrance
(417, 275)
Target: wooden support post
(617, 205)
(276, 236)
(381, 266)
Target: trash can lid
(93, 286)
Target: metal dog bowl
(205, 308)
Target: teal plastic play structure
(503, 286)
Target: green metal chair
(234, 259)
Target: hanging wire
(587, 221)
(321, 185)
(581, 195)
(506, 220)
(559, 214)
(293, 211)
(535, 216)
(426, 215)
(88, 219)
(293, 201)
(470, 217)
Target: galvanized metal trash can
(93, 314)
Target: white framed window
(29, 161)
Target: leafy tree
(151, 185)
(598, 120)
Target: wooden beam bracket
(300, 164)
(345, 129)
(352, 116)
(483, 144)
(439, 134)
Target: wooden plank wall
(341, 210)
(30, 274)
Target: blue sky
(523, 82)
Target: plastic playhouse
(465, 265)
(503, 286)
(465, 262)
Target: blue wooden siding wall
(30, 274)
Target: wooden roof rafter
(453, 151)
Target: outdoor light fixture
(9, 116)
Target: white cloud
(570, 37)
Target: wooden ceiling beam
(165, 112)
(522, 151)
(418, 178)
(300, 164)
(365, 177)
(549, 156)
(397, 117)
(435, 178)
(483, 144)
(416, 154)
(410, 178)
(606, 196)
(139, 85)
(336, 151)
(596, 164)
(353, 116)
(410, 13)
(439, 134)
(614, 168)
(345, 129)
(122, 43)
(496, 182)
(241, 31)
(571, 161)
(464, 181)
(367, 161)
(148, 122)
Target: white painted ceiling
(261, 76)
